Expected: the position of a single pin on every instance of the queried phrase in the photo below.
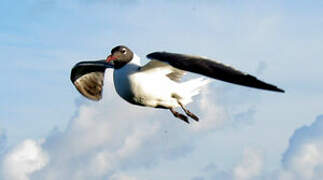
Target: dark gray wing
(88, 76)
(211, 69)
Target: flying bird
(157, 84)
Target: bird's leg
(179, 115)
(189, 113)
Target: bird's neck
(131, 66)
(135, 60)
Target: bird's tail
(191, 88)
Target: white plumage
(152, 87)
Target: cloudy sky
(49, 132)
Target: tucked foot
(189, 113)
(179, 115)
(193, 116)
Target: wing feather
(171, 72)
(211, 68)
(88, 77)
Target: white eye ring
(124, 51)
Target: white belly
(144, 89)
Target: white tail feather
(192, 88)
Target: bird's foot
(179, 115)
(189, 113)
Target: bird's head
(120, 56)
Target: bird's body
(157, 84)
(153, 88)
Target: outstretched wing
(88, 76)
(164, 68)
(211, 69)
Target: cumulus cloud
(303, 159)
(250, 166)
(105, 139)
(25, 159)
(214, 115)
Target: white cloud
(25, 159)
(303, 159)
(214, 115)
(104, 139)
(250, 166)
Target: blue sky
(242, 130)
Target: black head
(120, 56)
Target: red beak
(110, 58)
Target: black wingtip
(280, 90)
(271, 88)
(276, 89)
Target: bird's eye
(123, 51)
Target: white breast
(123, 82)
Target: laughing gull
(157, 84)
